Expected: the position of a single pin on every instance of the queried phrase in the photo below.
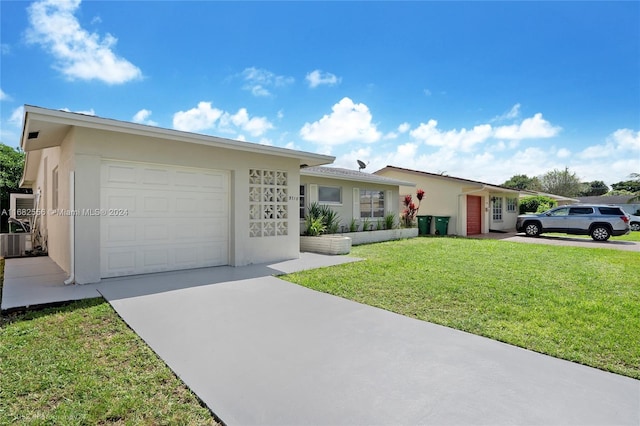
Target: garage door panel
(172, 221)
(155, 177)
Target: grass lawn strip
(81, 364)
(579, 304)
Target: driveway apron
(262, 351)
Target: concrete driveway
(261, 351)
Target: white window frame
(333, 202)
(512, 205)
(497, 208)
(303, 197)
(372, 209)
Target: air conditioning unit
(14, 245)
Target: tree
(632, 185)
(596, 187)
(561, 182)
(523, 182)
(11, 164)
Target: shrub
(390, 221)
(353, 225)
(536, 202)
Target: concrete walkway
(261, 351)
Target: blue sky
(480, 90)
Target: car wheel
(600, 233)
(635, 226)
(532, 229)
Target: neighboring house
(351, 194)
(621, 201)
(562, 201)
(117, 198)
(473, 207)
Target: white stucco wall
(446, 196)
(91, 147)
(350, 206)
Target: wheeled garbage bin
(424, 225)
(442, 223)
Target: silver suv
(598, 221)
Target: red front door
(474, 215)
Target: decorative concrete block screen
(268, 197)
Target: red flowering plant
(410, 208)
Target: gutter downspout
(72, 228)
(459, 221)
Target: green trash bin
(424, 225)
(442, 222)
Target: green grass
(632, 236)
(579, 304)
(81, 364)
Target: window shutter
(356, 203)
(313, 193)
(387, 201)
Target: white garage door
(161, 218)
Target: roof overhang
(45, 128)
(353, 176)
(470, 185)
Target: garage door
(474, 215)
(161, 218)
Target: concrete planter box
(367, 237)
(326, 244)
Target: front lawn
(81, 364)
(580, 304)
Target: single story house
(115, 198)
(472, 207)
(625, 202)
(351, 194)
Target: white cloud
(318, 77)
(258, 81)
(563, 153)
(205, 117)
(463, 139)
(17, 116)
(79, 54)
(197, 119)
(512, 114)
(530, 128)
(4, 96)
(620, 143)
(348, 122)
(404, 127)
(142, 117)
(427, 92)
(256, 126)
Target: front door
(474, 215)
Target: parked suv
(598, 221)
(634, 222)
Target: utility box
(14, 245)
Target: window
(580, 210)
(54, 189)
(564, 211)
(615, 211)
(371, 203)
(497, 208)
(512, 205)
(302, 204)
(330, 194)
